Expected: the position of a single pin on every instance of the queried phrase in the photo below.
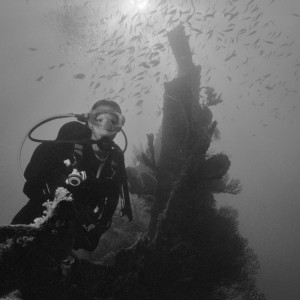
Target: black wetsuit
(95, 199)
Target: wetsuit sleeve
(35, 174)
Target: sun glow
(140, 5)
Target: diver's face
(104, 124)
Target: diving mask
(107, 120)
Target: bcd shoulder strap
(116, 156)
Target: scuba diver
(85, 160)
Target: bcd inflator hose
(80, 117)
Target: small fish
(252, 32)
(122, 19)
(189, 17)
(158, 46)
(79, 76)
(254, 9)
(128, 69)
(256, 41)
(161, 3)
(267, 75)
(32, 49)
(153, 54)
(260, 14)
(232, 15)
(139, 103)
(138, 24)
(131, 49)
(155, 62)
(152, 11)
(143, 64)
(292, 108)
(161, 31)
(134, 16)
(40, 78)
(92, 50)
(233, 54)
(278, 34)
(118, 38)
(184, 12)
(274, 109)
(209, 34)
(197, 30)
(251, 1)
(119, 52)
(140, 73)
(135, 37)
(173, 12)
(97, 85)
(242, 31)
(208, 16)
(269, 87)
(61, 65)
(229, 29)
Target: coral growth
(32, 256)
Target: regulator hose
(79, 117)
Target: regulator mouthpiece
(76, 178)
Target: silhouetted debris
(32, 257)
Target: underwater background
(60, 56)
